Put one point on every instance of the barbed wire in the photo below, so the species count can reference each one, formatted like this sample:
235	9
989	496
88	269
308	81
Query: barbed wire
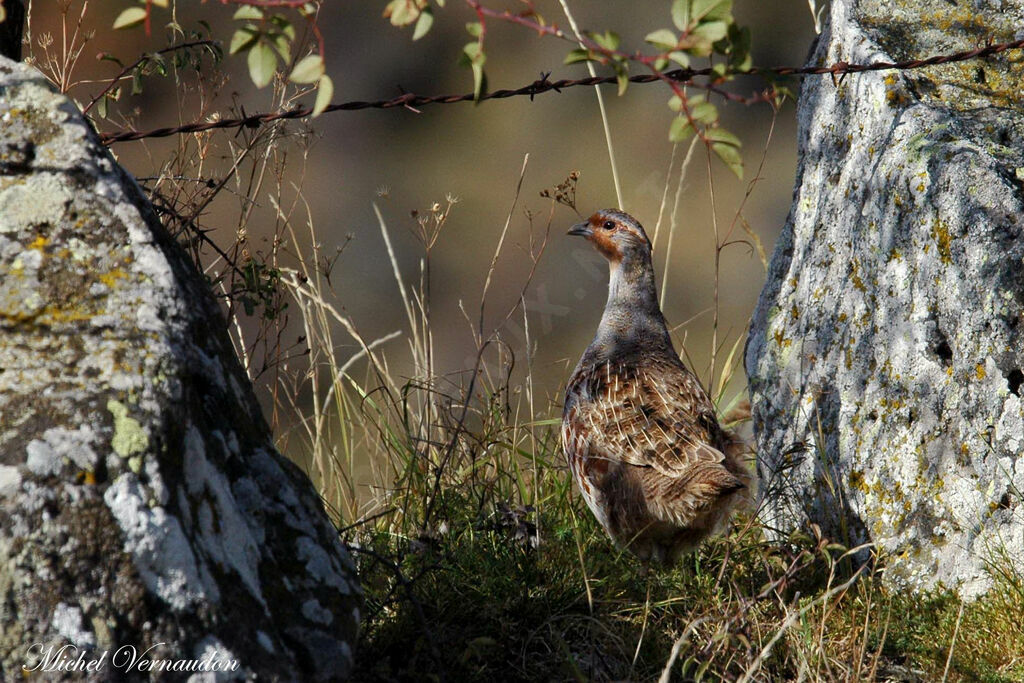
543	85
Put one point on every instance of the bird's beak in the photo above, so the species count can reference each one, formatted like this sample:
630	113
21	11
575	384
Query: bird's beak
581	229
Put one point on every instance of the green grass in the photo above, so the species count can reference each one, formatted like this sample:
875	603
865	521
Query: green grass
482	602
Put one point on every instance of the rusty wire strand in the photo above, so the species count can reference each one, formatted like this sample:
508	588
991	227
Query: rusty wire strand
543	85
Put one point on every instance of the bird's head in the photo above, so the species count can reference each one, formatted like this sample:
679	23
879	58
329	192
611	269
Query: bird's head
616	234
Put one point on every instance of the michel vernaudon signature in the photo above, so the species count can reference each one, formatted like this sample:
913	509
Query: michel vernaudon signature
70	658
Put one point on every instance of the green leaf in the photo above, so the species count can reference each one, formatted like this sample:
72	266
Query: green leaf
479	81
248	12
133	16
680	130
739	36
723	136
663	39
609	40
741	64
730	156
622	77
474	28
719	69
281	21
699	47
473	56
473	53
402	12
280	42
243	39
160	3
681	14
262	64
661	63
680	58
712	10
675	104
423	24
711	31
739	49
309	69
102	107
324	93
159	64
578	55
704	112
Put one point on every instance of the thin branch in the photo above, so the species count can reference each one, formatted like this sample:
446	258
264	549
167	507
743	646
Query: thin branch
149	55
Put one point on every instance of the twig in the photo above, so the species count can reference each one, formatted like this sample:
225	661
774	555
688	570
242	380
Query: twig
131	67
365	520
406	585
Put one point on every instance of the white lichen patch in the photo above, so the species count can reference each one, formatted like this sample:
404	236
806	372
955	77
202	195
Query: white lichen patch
224	534
67	620
318	564
159	547
314	611
10	480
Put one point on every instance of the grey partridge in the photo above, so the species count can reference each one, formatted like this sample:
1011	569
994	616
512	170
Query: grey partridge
639	432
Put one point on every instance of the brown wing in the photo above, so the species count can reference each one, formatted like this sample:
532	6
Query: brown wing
653	414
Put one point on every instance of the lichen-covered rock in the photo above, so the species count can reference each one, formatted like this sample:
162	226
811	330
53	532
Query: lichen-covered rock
889	336
142	503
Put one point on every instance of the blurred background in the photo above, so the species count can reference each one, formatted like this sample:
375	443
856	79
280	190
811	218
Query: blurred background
404	160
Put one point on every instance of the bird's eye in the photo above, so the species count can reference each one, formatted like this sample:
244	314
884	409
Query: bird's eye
609	225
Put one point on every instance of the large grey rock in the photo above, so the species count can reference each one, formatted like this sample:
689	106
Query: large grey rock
889	335
142	503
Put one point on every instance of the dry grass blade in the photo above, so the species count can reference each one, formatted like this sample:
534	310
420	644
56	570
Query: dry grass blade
406	300
791	619
952	642
673	218
666	672
600	105
501	241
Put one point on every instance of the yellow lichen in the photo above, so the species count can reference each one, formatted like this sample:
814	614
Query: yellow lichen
940	232
111	277
129	436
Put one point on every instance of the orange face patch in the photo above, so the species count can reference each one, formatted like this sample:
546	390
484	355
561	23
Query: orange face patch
602	238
